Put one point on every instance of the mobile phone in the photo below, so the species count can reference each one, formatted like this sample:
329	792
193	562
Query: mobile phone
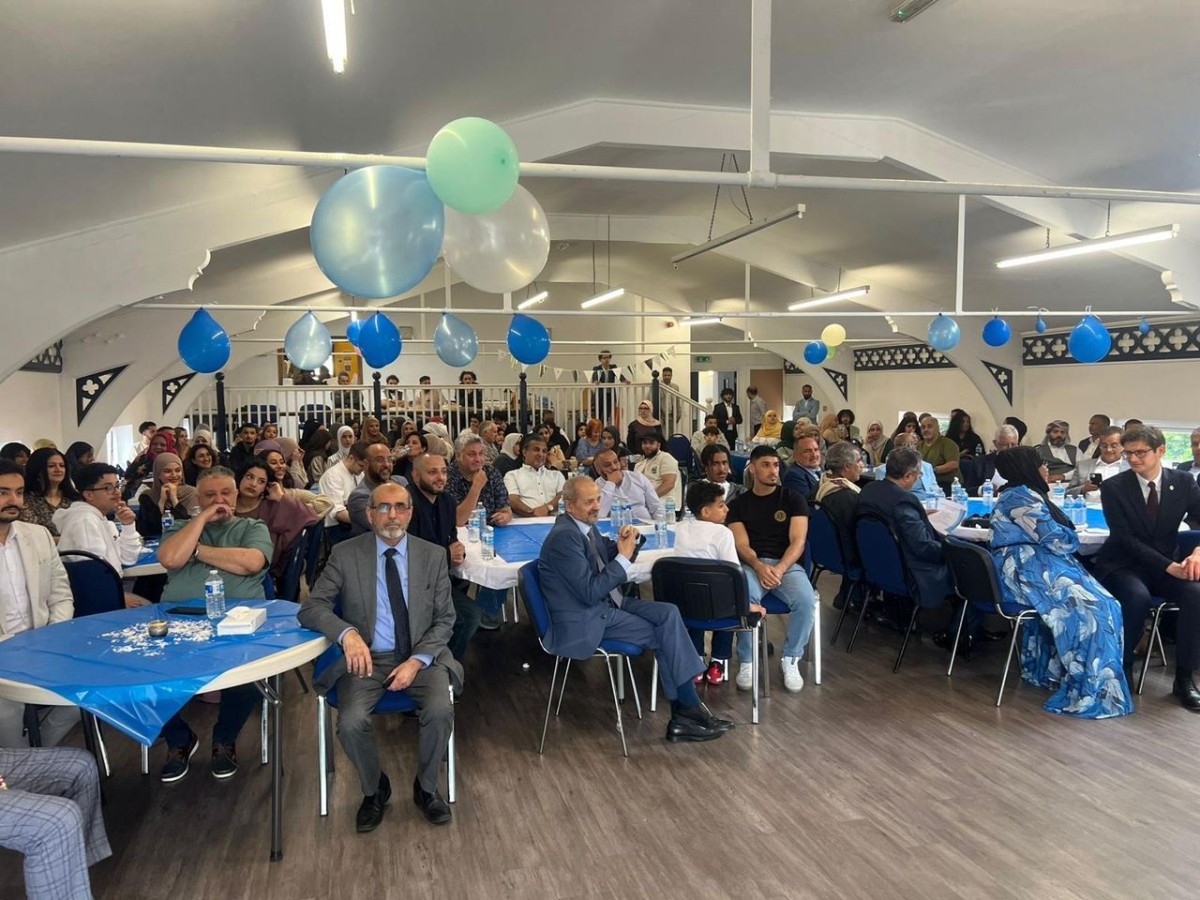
188	611
387	682
640	541
1097	478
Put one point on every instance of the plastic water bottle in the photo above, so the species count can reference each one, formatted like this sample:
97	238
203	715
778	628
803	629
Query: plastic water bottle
473	526
660	530
988	492
488	547
562	504
687	514
1081	511
1058	493
168	520
214	595
670	504
956	490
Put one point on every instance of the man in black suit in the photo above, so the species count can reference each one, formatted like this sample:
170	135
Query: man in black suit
395	619
985	467
1144	507
1192	466
804	474
729	416
581	574
604	399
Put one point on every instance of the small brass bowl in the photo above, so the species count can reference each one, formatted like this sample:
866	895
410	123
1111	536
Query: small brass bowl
158	628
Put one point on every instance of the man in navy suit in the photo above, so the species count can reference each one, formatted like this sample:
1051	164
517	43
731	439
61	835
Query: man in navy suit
804	474
1192	466
1144	507
581	574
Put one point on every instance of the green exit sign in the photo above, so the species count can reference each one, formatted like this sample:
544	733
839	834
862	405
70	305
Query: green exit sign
703	359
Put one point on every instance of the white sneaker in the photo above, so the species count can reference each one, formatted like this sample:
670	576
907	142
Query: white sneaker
745	677
792	679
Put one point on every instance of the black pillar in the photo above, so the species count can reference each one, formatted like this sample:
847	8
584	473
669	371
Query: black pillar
222	417
522	405
654	395
378	397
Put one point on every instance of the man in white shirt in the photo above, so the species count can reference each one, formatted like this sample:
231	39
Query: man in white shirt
34	592
661	468
146	431
628	485
85	526
534	489
1091	473
338	483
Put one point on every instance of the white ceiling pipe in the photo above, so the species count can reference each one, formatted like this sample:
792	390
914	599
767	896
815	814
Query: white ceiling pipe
760	88
135	150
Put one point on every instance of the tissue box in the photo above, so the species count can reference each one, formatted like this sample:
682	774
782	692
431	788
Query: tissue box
242	620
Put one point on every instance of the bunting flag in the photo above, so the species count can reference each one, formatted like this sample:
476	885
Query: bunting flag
649	363
575	375
557	373
542	371
500	354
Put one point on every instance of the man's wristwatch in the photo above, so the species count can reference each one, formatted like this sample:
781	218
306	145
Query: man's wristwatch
196	554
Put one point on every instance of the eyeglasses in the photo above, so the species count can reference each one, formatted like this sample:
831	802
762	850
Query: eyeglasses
386	509
1140	454
107	487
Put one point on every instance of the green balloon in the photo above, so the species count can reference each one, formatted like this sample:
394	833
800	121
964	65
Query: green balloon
472	165
832	353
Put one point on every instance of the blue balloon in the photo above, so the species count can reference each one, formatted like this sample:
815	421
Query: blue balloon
1089	341
943	333
378	231
1144	326
815	352
379	341
1040	325
997	332
455	341
353	330
203	343
307	343
528	339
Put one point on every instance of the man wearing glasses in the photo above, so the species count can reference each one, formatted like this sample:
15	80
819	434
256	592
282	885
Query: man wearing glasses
85	526
393	625
1144	508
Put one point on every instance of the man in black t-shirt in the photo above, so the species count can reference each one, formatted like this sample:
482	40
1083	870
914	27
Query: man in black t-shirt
770	526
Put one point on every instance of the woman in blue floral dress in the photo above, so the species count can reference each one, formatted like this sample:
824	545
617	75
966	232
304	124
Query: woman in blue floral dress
1078	643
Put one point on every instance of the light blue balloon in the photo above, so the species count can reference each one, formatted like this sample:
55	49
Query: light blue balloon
1089	341
815	352
1144	326
307	343
1040	325
528	339
353	330
203	343
455	341
379	341
378	231
943	333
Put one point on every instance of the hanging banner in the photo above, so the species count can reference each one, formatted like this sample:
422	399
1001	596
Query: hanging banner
649	363
557	373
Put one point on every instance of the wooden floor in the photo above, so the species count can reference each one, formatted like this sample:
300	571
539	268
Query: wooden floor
871	785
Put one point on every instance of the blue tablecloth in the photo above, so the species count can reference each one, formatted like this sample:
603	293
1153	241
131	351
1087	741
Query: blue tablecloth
107	665
1095	515
522	543
149	556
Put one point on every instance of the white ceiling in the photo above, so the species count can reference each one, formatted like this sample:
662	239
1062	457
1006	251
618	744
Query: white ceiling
1074	91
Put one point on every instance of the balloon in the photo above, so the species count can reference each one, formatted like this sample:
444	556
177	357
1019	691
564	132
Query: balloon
307	343
472	165
499	251
833	335
353	330
815	352
1089	341
1040	325
203	343
943	333
831	354
528	339
379	341
997	332
455	341
378	231
1144	326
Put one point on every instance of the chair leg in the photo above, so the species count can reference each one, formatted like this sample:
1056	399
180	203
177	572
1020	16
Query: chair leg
1162	651
912	623
303	683
755	661
1012	646
1154	635
322	758
512	592
962	617
763	668
562	691
654	686
814	642
33	728
550	702
145	755
621	683
262	730
100	747
842	615
862	615
451	784
612	681
637	700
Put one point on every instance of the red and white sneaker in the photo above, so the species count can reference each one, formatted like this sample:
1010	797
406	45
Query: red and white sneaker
716	671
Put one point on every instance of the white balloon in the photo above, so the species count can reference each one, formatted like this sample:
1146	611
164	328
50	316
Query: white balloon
502	250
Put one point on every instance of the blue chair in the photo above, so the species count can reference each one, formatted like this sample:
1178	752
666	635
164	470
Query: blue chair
775	606
976	584
825	550
314	544
1187	542
539	614
95	584
884	569
710	595
318	411
680	447
390	702
258	413
289	585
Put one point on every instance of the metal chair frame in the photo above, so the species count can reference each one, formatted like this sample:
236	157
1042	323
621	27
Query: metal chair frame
844	570
909	585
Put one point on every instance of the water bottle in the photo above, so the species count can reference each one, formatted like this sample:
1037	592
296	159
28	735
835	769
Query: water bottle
956	490
670	511
168	520
473	526
687	514
988	492
214	595
562	504
1058	493
1081	510
660	530
488	547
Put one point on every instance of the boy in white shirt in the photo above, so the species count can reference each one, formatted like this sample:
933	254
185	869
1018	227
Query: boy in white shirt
706	537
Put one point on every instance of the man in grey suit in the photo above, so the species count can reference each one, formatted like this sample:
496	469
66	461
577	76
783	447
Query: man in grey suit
394	623
1057	453
581	574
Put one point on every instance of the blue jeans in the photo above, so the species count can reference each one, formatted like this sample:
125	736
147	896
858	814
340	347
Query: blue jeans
797	593
491	601
237	703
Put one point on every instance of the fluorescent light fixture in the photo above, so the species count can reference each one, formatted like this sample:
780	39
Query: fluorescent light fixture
334	14
1095	245
792	212
701	320
602	298
910	9
533	301
848	294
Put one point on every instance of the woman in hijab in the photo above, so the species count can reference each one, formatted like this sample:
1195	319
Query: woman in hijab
294	457
16	451
510	454
771	430
829	429
167	491
345	440
960	431
203	436
142	466
1078	644
876	443
644	424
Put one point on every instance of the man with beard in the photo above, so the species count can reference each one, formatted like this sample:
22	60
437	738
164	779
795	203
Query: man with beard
377	471
1058	455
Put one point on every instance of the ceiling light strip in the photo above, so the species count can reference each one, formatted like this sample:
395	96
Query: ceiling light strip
848	294
1095	245
792	212
602	298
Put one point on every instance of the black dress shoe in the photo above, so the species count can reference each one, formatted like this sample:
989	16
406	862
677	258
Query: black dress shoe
992	636
706	717
436	810
370	813
685	728
945	640
1187	692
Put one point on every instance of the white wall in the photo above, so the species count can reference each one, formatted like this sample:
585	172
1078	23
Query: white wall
32	408
882	395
